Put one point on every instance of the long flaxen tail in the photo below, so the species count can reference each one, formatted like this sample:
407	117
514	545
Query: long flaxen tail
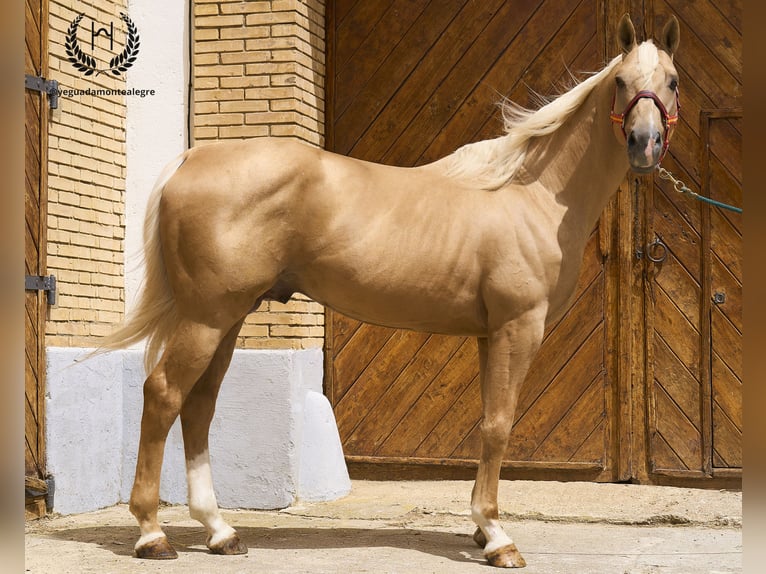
154	318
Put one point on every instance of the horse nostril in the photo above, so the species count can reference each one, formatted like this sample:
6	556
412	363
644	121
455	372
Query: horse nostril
632	140
658	138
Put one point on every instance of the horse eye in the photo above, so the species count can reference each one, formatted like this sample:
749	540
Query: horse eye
673	85
620	82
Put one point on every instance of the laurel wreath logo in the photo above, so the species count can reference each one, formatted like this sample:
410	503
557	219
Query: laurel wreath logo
87	64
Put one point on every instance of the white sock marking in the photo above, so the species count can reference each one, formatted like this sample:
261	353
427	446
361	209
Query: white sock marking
493	532
203	505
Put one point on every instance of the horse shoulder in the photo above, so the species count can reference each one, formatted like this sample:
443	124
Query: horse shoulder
523	256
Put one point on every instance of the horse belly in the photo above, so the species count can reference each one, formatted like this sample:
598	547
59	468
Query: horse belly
392	300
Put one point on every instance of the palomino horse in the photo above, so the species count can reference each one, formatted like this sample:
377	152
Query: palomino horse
486	242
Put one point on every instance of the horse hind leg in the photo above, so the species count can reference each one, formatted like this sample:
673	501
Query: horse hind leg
186	357
196	416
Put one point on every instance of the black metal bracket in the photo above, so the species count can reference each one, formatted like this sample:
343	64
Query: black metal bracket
42	283
50	87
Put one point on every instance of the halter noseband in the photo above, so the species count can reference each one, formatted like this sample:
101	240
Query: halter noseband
668	121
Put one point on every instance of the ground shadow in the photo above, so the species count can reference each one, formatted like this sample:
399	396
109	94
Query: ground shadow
186	539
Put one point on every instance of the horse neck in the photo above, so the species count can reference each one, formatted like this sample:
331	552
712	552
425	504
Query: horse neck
582	163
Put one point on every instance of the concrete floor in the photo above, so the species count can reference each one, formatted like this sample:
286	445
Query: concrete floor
398	527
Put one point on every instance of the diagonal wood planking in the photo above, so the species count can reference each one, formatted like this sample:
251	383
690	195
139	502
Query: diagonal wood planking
696	346
409	87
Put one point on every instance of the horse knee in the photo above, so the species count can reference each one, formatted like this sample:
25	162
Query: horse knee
495	432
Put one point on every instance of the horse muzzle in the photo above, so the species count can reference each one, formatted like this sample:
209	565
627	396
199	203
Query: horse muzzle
645	150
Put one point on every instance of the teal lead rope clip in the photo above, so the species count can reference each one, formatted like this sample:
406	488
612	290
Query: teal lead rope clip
681	187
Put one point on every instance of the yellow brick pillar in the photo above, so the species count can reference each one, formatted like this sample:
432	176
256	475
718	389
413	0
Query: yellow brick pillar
86	182
259	70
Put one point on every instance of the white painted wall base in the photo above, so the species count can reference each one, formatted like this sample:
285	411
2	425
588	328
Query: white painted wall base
273	439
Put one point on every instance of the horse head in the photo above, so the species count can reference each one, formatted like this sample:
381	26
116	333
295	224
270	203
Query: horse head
645	104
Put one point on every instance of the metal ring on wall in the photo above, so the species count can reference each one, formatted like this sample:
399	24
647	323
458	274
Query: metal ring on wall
657	251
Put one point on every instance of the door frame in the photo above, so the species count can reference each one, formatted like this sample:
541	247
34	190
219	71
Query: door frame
41	263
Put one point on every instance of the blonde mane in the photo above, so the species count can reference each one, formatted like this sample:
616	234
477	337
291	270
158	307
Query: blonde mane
493	163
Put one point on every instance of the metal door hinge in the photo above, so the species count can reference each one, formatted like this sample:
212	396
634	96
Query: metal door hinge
42	283
50	87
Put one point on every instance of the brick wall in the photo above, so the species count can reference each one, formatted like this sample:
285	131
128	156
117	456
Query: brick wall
86	182
259	70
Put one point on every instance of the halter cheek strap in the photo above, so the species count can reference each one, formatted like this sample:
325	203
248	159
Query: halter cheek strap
668	121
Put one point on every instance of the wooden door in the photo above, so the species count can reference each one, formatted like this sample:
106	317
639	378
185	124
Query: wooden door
409	82
642	379
693	298
36	107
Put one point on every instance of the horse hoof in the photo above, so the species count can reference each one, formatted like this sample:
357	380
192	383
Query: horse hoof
506	557
479	538
229	547
157	549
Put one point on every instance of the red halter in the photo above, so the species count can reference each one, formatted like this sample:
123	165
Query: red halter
668	121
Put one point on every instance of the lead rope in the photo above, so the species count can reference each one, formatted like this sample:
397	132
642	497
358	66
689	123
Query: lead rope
681	187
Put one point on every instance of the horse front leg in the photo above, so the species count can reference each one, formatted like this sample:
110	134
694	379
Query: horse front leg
185	359
196	415
504	359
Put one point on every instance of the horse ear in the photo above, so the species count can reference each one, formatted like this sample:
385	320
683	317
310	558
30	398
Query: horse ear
626	34
671	35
